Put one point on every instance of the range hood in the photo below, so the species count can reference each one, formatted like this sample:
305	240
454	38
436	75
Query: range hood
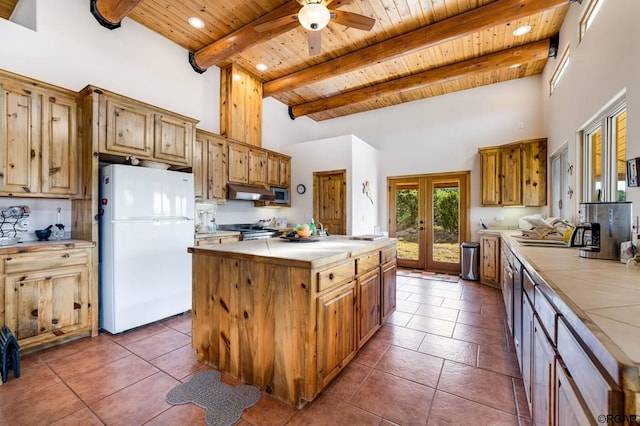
237	191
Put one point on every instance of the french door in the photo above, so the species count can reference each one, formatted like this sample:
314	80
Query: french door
429	215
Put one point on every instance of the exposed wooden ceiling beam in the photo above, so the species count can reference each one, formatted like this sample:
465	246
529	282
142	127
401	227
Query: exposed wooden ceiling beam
247	36
109	13
475	20
500	60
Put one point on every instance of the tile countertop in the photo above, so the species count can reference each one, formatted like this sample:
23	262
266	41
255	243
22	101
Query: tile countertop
600	299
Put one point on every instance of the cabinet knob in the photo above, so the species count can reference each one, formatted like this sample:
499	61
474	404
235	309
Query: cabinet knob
331	276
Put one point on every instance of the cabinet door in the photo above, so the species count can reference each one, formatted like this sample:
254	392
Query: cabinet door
490	266
60	156
571	410
285	172
173	139
534	173
368	305
273	170
490	177
257	167
129	129
527	346
506	283
238	163
336	336
388	302
20	127
44	305
542	377
217	169
199	166
511	176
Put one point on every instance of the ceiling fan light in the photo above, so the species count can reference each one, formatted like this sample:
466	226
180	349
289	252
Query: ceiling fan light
314	16
196	22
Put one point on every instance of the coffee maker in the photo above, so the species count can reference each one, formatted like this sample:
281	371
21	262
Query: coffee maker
602	227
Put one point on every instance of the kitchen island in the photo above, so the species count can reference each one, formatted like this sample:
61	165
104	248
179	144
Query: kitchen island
288	316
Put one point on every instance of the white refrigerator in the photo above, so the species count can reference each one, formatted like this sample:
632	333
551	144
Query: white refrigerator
145	230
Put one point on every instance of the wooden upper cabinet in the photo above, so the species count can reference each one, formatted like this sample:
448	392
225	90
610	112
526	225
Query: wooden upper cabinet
129	129
173	139
133	128
210	166
39	150
257	167
278	170
514	174
238	163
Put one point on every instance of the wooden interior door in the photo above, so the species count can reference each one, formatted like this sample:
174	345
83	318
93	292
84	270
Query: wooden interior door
330	200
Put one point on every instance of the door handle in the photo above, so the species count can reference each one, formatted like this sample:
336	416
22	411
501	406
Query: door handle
421	228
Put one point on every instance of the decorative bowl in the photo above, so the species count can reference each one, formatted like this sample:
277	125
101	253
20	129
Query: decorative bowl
303	233
43	234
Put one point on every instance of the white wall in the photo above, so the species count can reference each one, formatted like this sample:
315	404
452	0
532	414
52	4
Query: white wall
603	65
365	162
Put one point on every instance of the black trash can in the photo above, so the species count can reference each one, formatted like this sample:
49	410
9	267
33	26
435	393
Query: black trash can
470	261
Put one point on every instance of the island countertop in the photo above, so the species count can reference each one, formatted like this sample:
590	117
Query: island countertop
311	253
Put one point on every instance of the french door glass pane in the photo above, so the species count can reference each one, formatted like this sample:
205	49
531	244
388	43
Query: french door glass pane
446	220
556	186
407	226
595	149
620	137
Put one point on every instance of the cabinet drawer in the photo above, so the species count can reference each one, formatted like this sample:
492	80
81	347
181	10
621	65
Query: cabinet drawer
388	254
528	285
547	314
336	275
367	262
26	262
599	395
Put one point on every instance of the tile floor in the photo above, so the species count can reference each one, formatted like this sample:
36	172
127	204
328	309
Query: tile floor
444	357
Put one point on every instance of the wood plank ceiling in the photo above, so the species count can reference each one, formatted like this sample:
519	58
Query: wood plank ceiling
417	48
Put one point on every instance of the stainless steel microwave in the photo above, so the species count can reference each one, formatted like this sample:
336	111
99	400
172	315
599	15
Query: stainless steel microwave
281	195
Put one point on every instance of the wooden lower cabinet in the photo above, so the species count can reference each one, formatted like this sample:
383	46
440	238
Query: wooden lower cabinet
203	241
527	346
506	284
368	314
542	376
490	259
48	296
388	302
571	410
336	331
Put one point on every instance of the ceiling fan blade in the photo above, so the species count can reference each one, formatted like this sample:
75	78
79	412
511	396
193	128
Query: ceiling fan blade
315	42
339	3
353	20
276	23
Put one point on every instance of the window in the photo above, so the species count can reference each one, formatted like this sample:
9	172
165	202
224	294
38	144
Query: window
560	183
604	147
589	16
559	72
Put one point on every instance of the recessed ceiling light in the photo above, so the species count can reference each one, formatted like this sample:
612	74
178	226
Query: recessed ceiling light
196	22
522	30
261	67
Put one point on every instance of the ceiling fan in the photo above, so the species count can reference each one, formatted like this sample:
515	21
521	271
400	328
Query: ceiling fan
315	15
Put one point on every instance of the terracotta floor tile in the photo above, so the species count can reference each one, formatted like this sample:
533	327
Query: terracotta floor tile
326	410
479	335
470	288
269	411
137	403
399	336
498	359
44	405
34	375
419	287
403	295
406	306
411	365
127	337
462	305
452	410
158	344
88	359
494	322
396	399
482	386
180	322
400	318
521	399
487	299
82	417
183	414
426	299
438	312
452	349
372	352
71	347
348	381
110	378
447	293
432	325
179	363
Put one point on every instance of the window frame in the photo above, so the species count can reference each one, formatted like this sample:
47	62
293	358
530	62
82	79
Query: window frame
588	16
560	70
560	183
